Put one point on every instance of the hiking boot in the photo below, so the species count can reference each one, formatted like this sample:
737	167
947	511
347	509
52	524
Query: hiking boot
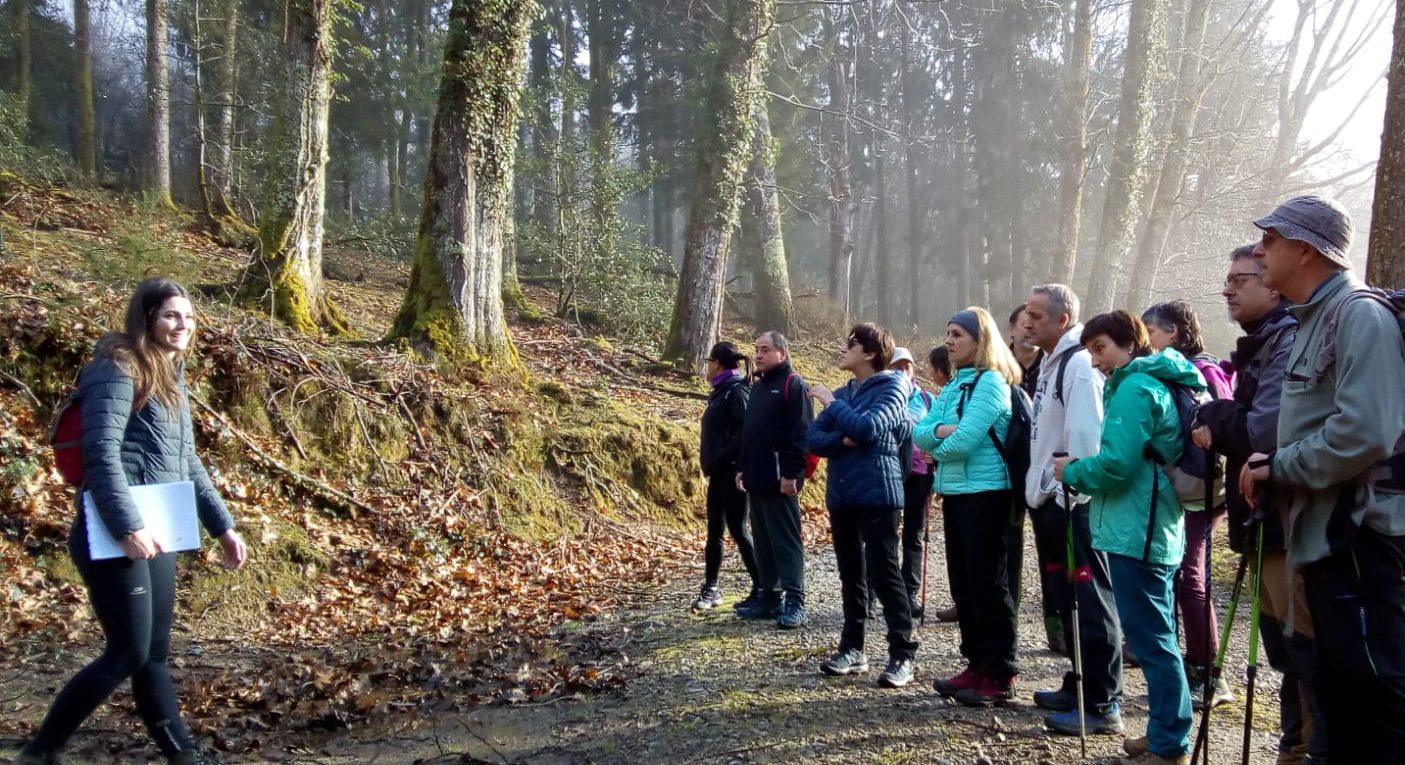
987	691
1066	723
846	662
708	599
953	685
1220	694
792	615
1055	701
1054	635
948	615
32	756
897	674
757	595
766	607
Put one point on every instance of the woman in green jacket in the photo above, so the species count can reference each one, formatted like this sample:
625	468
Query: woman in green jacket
1135	517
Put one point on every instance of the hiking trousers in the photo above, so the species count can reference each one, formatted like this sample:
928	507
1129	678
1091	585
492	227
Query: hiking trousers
1098	623
1050	524
976	526
780	550
866	552
726	512
917	494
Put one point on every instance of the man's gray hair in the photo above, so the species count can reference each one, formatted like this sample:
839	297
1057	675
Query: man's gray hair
1243	252
778	340
1062	299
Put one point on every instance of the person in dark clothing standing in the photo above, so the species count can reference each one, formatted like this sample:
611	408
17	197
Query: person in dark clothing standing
1236	428
721	443
771	470
917	487
863	431
1029	357
136	430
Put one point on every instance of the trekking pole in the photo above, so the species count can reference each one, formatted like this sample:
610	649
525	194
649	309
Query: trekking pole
1253	669
1207	694
1073	611
1202	738
926	550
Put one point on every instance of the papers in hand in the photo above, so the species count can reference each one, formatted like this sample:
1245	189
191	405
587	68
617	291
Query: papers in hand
167	510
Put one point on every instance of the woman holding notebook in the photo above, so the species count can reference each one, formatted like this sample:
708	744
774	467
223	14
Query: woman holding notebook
136	431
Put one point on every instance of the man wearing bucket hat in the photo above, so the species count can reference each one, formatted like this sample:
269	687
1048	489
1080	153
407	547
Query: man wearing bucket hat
1341	418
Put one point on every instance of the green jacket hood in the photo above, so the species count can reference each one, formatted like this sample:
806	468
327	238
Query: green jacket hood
1168	366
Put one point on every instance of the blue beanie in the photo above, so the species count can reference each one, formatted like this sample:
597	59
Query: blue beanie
968	321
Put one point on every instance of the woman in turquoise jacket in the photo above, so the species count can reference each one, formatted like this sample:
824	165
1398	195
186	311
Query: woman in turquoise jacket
1135	516
970	414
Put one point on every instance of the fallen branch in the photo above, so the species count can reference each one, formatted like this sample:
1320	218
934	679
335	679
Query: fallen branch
344	500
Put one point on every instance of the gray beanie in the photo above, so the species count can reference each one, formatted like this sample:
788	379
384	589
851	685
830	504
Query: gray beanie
1321	222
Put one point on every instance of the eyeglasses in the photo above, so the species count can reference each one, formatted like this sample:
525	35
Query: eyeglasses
1238	281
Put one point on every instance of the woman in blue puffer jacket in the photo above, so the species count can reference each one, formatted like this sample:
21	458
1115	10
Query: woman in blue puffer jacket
864	431
136	430
970	414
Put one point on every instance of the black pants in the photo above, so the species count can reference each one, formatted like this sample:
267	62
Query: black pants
917	491
1100	631
1014	551
780	551
1050	537
976	527
134	602
726	511
1357	599
866	551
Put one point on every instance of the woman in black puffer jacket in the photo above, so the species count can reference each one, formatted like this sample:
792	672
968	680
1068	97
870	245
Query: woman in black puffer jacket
721	442
136	431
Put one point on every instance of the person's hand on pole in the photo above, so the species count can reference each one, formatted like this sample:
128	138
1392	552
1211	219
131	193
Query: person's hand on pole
1255	471
1060	462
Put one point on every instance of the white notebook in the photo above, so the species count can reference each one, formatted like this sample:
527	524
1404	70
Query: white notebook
167	509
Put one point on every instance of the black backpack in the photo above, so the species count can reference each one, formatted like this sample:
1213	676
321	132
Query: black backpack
1014	450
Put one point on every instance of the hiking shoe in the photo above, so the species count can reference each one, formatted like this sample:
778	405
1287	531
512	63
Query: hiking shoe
792	615
1139	753
1136	747
1055	701
1067	722
948	615
987	691
847	662
1219	696
31	756
897	674
757	595
764	608
708	599
952	685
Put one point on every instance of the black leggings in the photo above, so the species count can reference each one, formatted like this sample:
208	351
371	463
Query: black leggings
726	511
134	601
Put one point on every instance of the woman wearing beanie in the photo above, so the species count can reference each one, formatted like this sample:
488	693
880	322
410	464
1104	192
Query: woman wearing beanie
961	431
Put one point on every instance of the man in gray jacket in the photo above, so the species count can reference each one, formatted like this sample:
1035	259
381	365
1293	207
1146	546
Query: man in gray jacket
1341	420
1068	417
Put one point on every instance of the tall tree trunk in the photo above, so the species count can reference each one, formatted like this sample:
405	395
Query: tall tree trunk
726	146
1146	44
604	50
1384	265
285	275
543	127
158	105
961	255
914	208
85	147
881	257
21	10
841	195
222	167
453	309
1075	153
1165	199
774	307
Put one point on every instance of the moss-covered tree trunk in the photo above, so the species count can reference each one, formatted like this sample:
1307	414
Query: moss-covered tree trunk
285	275
725	143
1384	265
774	307
158	105
453	309
1146	44
1075	154
85	153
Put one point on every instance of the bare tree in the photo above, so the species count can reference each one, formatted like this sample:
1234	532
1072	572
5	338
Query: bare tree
85	145
1075	154
158	104
1384	265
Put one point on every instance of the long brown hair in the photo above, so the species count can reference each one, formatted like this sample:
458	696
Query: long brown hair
152	372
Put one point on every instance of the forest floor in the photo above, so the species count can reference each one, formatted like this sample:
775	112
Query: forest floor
511	587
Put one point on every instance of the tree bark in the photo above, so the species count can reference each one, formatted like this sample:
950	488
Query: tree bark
1075	155
158	105
774	306
914	208
21	10
841	195
453	309
604	50
543	127
1146	44
85	146
1384	265
222	167
726	146
285	275
1165	199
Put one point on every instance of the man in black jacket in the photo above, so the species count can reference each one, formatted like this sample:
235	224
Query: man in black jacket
771	470
1239	427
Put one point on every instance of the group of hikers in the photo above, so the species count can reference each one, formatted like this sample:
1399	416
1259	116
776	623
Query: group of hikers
1127	446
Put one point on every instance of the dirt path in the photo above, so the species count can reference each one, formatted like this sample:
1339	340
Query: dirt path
711	688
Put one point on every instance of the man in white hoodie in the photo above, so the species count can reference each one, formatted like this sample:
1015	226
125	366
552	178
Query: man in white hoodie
1068	417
